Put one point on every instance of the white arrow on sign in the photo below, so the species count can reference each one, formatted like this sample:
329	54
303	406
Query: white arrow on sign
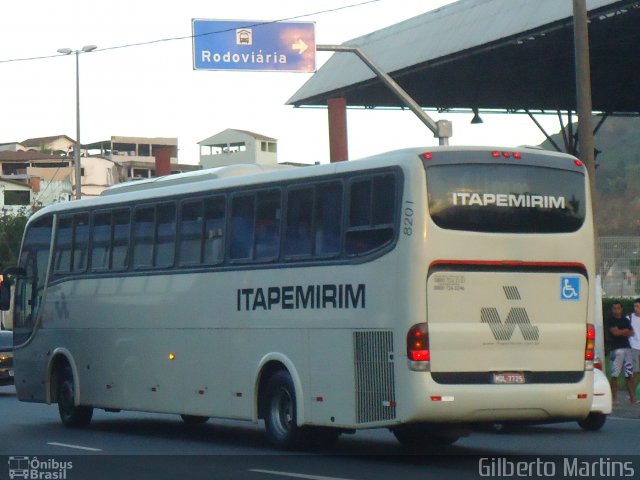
300	46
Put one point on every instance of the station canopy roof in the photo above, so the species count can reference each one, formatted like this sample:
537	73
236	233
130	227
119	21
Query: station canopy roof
508	55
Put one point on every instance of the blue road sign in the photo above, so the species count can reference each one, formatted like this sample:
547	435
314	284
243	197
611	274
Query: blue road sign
254	45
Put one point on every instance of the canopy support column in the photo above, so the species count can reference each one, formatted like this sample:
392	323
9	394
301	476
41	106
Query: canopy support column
338	143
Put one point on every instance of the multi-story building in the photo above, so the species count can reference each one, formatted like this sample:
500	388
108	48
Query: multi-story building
137	155
105	163
232	146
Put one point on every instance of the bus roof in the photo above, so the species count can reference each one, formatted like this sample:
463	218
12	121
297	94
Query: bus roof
242	175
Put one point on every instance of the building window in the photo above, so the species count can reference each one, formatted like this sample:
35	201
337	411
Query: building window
268	147
17	197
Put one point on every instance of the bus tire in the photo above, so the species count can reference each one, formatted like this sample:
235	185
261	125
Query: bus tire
194	419
72	416
280	414
593	422
417	436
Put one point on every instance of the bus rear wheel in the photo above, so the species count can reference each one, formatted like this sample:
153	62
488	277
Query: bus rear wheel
417	436
280	417
72	416
592	422
281	420
194	419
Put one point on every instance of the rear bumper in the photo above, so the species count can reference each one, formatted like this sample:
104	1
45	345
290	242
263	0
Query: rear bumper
430	401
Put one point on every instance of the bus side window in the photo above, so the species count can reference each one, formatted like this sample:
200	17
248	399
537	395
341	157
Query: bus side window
143	233
298	233
242	227
267	229
121	234
328	219
64	241
101	241
190	243
214	217
371	210
165	248
360	203
80	242
384	196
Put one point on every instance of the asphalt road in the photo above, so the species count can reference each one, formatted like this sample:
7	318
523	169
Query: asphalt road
132	445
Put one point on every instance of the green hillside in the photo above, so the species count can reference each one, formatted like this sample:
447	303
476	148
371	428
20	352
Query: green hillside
617	175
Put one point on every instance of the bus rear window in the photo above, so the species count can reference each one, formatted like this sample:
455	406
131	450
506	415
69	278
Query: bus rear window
506	198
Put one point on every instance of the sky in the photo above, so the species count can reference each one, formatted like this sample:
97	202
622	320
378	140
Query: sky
153	91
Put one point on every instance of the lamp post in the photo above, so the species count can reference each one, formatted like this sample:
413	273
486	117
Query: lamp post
76	153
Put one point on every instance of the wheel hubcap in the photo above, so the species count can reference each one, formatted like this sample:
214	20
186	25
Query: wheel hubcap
282	412
66	396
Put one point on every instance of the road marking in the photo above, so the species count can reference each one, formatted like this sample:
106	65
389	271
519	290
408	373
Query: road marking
296	475
77	447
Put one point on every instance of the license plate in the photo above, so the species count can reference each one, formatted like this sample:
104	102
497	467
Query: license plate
504	378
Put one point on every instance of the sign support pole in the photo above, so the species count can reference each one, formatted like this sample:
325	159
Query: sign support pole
441	129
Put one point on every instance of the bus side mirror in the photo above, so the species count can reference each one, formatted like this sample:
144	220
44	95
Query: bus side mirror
5	295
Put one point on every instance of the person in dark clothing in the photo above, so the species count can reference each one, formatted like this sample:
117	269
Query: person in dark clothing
620	353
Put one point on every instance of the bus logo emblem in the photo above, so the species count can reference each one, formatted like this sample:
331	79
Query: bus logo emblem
503	331
570	288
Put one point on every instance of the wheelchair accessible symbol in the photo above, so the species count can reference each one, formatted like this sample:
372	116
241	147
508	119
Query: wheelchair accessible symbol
570	288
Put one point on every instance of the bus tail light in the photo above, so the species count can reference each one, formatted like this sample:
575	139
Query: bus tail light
418	347
590	347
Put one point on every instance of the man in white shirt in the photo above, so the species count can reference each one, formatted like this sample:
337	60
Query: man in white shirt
634	340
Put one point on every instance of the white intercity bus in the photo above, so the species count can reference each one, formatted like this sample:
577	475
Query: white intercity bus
421	290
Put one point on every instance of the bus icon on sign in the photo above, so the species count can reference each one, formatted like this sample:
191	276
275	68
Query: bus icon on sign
570	288
244	36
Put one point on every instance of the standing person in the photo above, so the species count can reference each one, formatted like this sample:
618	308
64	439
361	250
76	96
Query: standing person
634	341
620	354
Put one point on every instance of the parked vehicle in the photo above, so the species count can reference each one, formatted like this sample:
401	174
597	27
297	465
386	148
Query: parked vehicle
6	357
601	405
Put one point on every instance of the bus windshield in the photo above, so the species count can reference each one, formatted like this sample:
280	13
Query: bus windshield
506	198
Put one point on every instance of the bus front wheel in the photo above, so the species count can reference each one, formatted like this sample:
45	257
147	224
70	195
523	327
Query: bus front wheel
72	416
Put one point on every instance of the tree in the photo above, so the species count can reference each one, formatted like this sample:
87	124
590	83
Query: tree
11	231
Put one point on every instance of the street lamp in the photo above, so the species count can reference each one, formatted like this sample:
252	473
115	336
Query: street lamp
76	153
